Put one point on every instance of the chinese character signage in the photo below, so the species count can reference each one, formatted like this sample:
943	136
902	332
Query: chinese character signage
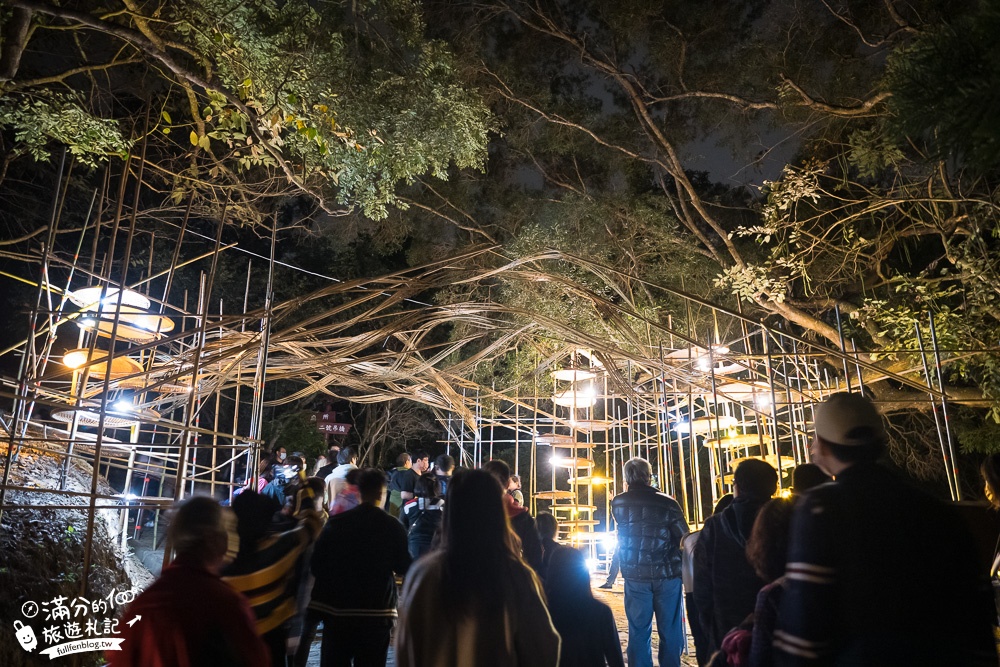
333	427
327	422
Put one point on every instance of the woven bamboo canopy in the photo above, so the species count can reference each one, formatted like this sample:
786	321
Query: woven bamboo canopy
691	398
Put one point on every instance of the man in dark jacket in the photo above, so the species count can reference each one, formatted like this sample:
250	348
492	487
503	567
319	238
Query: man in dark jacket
725	584
650	528
402	479
520	520
354	561
879	573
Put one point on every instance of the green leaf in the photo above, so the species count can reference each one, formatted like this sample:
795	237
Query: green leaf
204	143
165	116
194	138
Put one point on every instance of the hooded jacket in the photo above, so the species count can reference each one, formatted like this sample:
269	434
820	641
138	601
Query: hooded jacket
725	585
650	528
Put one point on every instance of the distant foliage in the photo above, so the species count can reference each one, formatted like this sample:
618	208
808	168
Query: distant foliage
43	117
946	88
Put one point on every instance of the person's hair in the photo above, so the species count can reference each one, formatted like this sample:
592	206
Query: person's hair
767	548
331	454
371	484
347	455
856	453
755	479
418	455
638	471
990	470
547	525
402	459
724	502
352	476
426	486
277	449
296	461
807	476
567	585
444	463
500	470
480	549
254	513
198	529
516	479
265	467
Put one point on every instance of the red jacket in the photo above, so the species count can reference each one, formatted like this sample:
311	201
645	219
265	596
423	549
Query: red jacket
189	618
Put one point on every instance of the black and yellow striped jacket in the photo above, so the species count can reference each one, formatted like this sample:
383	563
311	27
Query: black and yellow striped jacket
269	577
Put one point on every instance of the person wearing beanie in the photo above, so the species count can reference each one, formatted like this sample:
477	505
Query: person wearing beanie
878	573
725	584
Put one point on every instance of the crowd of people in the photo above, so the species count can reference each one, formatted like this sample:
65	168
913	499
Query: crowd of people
863	570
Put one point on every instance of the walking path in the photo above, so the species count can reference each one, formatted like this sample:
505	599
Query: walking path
615	598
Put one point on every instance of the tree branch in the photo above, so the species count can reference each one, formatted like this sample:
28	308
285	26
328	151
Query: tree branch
15	37
184	73
59	78
846	112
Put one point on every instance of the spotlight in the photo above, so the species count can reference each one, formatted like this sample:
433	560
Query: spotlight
123	406
591	564
75	359
610	541
87	322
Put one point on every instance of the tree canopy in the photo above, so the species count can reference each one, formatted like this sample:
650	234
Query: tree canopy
800	160
340	102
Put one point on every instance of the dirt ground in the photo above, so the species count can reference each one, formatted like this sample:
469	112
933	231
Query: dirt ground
615	598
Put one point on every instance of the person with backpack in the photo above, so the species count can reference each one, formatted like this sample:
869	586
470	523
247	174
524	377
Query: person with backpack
422	515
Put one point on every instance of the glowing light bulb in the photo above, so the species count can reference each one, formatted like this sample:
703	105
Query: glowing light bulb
123	406
75	359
